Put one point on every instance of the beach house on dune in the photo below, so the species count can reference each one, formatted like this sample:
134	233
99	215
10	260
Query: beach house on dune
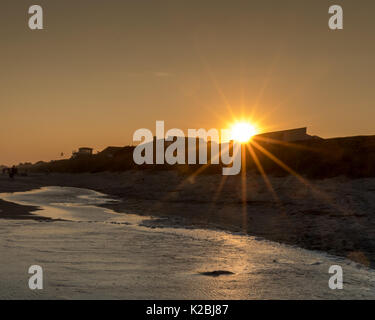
291	135
110	151
84	151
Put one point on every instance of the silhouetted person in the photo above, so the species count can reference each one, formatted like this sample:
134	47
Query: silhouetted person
12	172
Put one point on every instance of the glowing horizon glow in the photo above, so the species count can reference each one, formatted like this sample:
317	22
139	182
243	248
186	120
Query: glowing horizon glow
243	131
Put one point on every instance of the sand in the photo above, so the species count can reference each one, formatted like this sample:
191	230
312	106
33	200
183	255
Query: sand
85	260
332	215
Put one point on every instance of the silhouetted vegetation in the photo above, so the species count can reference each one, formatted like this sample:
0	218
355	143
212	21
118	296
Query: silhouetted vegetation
352	156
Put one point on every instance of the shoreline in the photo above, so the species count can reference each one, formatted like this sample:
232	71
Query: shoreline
174	201
13	211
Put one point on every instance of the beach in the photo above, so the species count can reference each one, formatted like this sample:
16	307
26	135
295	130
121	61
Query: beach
88	251
335	215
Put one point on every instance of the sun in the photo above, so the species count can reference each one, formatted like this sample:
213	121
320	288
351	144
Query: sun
243	131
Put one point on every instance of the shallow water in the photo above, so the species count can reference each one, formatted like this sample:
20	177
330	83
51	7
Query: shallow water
97	253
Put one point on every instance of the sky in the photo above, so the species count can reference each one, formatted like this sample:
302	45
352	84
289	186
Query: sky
99	70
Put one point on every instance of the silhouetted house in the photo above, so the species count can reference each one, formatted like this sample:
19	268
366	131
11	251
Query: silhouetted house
82	152
291	135
111	152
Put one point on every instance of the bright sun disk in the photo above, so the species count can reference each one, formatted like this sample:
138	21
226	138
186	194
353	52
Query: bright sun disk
243	131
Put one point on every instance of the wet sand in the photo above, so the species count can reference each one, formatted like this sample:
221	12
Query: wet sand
333	215
13	211
98	253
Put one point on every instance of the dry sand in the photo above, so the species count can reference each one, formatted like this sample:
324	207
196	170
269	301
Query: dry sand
333	215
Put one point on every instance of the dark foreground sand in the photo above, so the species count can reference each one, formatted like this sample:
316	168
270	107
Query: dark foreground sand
333	215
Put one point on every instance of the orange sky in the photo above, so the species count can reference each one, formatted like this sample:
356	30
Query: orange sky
99	71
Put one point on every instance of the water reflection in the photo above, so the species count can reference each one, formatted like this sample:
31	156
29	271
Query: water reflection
130	261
